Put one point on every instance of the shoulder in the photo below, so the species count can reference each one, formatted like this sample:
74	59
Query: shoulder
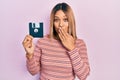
80	41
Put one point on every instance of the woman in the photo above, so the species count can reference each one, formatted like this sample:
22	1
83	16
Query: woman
60	55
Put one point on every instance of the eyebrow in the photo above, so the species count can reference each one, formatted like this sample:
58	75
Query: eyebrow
63	16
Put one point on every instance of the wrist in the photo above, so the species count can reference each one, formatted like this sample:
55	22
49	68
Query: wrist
72	48
29	55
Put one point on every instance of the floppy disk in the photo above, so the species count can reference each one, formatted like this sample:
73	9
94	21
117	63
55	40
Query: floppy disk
36	29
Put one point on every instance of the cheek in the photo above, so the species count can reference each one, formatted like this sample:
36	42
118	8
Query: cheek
65	28
56	26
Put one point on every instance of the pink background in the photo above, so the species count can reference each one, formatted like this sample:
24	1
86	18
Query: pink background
98	23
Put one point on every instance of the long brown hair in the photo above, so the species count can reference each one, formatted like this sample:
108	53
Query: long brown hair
71	19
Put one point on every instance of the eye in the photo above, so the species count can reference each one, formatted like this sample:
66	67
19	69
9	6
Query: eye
56	20
65	20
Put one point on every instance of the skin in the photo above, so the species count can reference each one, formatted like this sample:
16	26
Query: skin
61	27
28	46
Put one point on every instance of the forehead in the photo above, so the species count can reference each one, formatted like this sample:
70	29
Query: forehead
60	13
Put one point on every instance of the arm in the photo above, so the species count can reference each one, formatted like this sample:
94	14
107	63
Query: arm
79	61
78	54
33	64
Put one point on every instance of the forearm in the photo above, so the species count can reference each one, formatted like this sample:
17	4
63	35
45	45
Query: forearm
33	65
81	69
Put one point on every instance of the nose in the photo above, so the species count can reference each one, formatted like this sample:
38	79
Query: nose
61	24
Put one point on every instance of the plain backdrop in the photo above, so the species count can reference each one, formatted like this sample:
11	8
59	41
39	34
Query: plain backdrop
98	24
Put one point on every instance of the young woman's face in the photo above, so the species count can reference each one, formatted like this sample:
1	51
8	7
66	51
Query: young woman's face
60	21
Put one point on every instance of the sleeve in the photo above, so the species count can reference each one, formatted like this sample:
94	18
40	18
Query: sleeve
79	61
33	64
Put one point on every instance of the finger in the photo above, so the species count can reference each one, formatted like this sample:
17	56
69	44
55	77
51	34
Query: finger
65	33
61	37
32	45
62	33
30	36
27	38
27	43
